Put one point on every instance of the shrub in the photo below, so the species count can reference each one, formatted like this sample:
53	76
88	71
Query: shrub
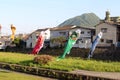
43	59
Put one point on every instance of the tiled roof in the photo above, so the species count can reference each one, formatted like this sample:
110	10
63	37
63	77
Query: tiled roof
36	31
61	28
69	27
110	23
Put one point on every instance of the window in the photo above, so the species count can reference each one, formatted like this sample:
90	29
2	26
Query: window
37	36
89	32
45	33
62	33
93	32
0	43
77	42
109	41
104	30
82	32
30	45
82	41
102	40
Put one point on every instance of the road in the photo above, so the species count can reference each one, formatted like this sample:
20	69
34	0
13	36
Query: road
110	75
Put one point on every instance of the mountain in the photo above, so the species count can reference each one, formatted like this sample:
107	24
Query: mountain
84	20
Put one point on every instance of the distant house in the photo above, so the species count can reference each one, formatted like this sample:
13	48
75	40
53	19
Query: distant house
4	42
111	30
58	32
85	38
32	38
63	32
21	36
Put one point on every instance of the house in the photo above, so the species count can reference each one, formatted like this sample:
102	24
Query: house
111	30
62	33
32	38
4	42
85	38
56	33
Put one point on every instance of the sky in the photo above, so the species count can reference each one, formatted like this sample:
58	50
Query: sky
29	15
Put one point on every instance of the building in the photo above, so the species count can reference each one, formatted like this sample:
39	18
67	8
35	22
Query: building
4	42
62	33
110	27
32	38
85	38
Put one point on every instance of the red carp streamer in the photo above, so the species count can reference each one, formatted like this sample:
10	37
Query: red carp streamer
39	44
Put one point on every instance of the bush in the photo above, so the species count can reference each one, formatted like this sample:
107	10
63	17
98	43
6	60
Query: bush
43	59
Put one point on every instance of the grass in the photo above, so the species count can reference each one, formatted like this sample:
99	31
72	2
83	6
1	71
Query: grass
14	57
8	75
68	64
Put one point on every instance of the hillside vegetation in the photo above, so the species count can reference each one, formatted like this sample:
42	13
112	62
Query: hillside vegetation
84	20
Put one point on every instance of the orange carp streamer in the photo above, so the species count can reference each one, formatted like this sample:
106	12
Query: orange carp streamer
13	29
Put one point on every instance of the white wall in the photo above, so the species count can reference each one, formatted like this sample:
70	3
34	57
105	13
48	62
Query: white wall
28	42
47	35
33	39
83	42
86	37
55	34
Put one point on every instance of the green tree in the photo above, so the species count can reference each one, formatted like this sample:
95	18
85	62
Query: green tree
19	42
